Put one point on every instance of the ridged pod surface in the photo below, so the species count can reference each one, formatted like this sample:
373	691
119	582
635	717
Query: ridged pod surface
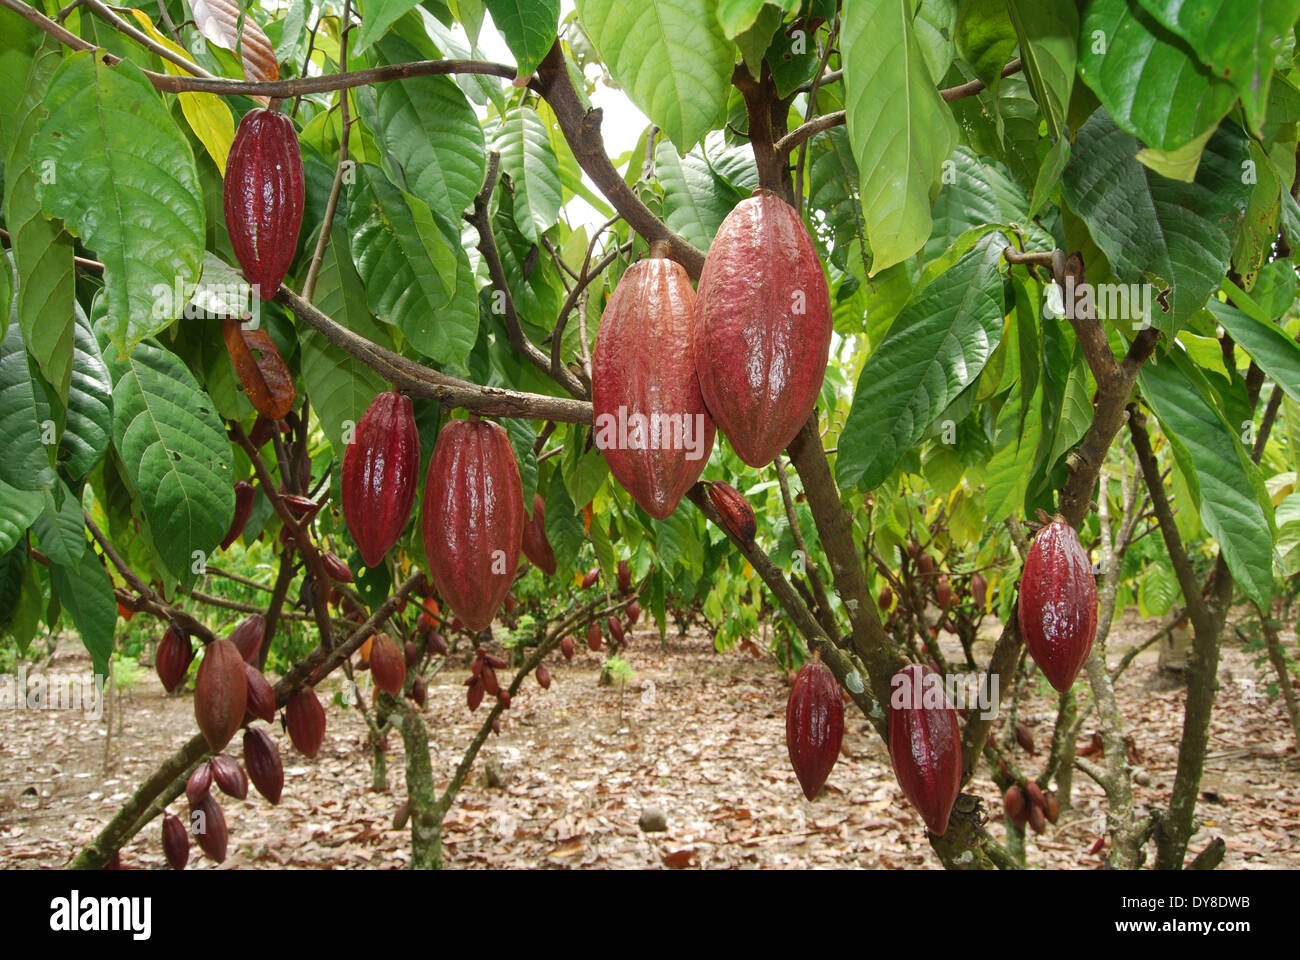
263	197
388	664
305	718
1058	603
381	471
735	510
925	744
814	726
220	693
536	545
763	327
173	657
262	758
210	829
643	373
473	518
175	841
261	696
243	510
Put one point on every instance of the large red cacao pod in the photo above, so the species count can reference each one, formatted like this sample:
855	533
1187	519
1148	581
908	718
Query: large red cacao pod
305	718
763	327
536	545
736	513
1058	603
262	758
381	471
220	693
473	518
261	696
925	744
263	197
388	664
229	776
814	726
210	829
173	658
248	635
175	841
243	510
643	371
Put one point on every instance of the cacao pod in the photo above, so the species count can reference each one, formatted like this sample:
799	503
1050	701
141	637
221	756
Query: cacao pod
229	776
388	664
763	327
489	680
1037	819
474	696
220	693
262	758
633	613
175	841
737	515
438	643
1053	808
913	548
566	648
650	419
473	518
924	745
381	469
364	650
261	696
624	578
536	545
1024	738
305	718
208	824
418	693
503	698
509	603
199	783
1034	793
339	571
247	637
925	563
411	653
263	197
1058	603
590	579
593	636
543	676
1013	802
302	508
616	631
243	510
173	658
263	430
886	598
943	592
814	726
979	590
125	612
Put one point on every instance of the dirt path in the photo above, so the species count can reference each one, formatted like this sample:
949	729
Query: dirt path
699	735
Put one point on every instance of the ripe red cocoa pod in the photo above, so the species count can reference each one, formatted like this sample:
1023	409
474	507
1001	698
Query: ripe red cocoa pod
650	420
1053	808
474	696
263	197
1058	603
418	692
1097	845
243	510
388	664
763	327
566	648
473	518
173	658
339	571
262	758
593	636
624	577
633	613
1034	793
1024	738
737	515
305	718
590	579
886	598
175	841
229	776
1013	802
925	744
438	643
543	676
1037	819
489	680
247	637
814	726
302	508
411	653
536	545
943	592
261	696
616	631
979	590
381	471
925	563
199	783
208	824
503	697
220	693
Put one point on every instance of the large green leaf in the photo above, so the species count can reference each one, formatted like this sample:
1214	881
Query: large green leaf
1239	41
60	530
379	15
1145	77
1207	448
672	58
527	157
979	193
1007	476
175	453
901	130
1276	353
24	414
89	425
18	508
1176	235
1049	44
528	27
985	37
696	200
935	349
124	181
86	593
737	16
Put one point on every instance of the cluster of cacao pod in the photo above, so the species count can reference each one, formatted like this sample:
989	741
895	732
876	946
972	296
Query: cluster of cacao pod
746	355
483	680
1057	607
1030	805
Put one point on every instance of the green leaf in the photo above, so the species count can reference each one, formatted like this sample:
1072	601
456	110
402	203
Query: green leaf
1157	590
24	413
1007	476
528	27
755	40
986	39
522	437
1049	43
1276	353
60	530
175	453
737	16
1239	41
1207	448
89	425
1144	77
18	509
977	194
672	58
935	349
86	593
1178	236
125	183
899	151
527	157
696	200
564	529
378	17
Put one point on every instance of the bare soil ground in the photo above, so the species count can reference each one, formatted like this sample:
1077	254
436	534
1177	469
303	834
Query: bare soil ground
698	734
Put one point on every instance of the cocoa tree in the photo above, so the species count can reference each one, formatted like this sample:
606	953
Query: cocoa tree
840	242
